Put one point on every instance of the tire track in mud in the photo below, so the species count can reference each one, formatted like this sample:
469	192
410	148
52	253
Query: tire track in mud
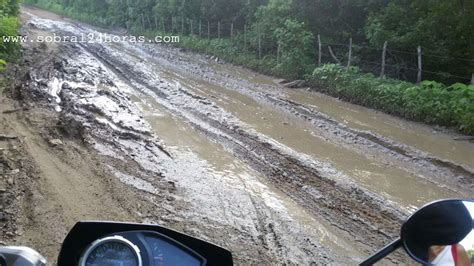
265	235
263	242
435	170
444	173
361	214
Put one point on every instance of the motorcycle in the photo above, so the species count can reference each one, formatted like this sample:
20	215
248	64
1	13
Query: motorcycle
89	243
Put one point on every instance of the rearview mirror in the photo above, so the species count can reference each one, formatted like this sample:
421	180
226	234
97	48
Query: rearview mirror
440	232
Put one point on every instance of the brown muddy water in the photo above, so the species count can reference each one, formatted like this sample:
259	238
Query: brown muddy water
396	184
181	138
436	142
414	134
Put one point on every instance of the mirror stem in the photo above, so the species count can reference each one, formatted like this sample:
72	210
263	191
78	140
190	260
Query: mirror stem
382	253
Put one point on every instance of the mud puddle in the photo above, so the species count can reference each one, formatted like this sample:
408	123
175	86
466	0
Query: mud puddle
300	136
182	141
414	134
380	178
425	138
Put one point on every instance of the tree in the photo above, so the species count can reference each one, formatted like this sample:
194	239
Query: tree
117	13
268	18
295	48
437	25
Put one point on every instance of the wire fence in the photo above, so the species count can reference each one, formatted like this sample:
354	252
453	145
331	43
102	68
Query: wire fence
413	65
408	65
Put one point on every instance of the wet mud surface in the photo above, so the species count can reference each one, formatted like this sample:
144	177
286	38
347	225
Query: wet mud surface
220	153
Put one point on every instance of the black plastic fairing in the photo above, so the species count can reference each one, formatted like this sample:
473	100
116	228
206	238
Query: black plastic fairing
85	232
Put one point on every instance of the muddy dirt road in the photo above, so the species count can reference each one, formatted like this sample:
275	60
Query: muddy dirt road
149	133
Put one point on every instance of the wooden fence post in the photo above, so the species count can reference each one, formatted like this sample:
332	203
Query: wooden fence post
259	43
199	28
420	68
219	29
182	26
156	23
208	30
143	21
350	54
245	36
192	28
163	25
384	53
232	30
149	21
472	79
319	50
333	56
278	53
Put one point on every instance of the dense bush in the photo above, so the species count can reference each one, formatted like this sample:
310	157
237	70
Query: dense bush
429	101
8	26
443	28
295	49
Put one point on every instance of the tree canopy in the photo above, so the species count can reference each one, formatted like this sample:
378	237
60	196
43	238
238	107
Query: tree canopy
444	28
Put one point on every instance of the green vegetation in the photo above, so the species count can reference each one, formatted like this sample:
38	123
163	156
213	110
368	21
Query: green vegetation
293	60
224	49
8	25
442	28
294	53
429	101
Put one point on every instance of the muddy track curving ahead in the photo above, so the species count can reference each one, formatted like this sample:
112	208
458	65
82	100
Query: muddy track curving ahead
206	148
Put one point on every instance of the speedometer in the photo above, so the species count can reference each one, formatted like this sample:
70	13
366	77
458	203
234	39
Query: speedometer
111	251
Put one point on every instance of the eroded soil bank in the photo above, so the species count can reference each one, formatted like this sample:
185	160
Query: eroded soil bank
149	133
